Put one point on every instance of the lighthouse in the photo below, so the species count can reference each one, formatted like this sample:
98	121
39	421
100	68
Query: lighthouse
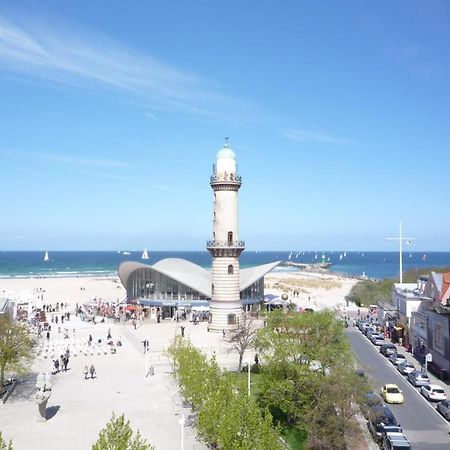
225	307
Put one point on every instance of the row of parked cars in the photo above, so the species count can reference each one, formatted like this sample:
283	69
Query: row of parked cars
381	422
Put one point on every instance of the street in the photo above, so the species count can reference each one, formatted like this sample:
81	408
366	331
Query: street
422	425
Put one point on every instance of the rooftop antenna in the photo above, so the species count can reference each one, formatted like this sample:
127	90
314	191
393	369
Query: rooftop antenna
400	238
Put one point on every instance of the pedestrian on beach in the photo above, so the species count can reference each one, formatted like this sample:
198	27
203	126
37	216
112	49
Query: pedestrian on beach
223	332
92	371
90	339
109	334
56	364
85	371
48	335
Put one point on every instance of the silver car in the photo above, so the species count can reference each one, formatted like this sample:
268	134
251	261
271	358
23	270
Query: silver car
397	358
444	408
405	368
418	378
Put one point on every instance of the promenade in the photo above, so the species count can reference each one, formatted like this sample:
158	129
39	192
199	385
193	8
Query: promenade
78	409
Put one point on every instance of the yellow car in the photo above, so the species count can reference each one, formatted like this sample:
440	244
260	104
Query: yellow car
391	393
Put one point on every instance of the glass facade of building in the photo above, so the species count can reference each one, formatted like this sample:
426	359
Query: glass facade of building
149	284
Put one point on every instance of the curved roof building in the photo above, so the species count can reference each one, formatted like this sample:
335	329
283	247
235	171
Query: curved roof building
178	282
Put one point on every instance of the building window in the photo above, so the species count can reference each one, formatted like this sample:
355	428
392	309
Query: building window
231	319
230	269
230	237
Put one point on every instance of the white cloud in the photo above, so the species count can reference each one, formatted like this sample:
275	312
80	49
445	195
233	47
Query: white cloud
71	160
84	59
314	136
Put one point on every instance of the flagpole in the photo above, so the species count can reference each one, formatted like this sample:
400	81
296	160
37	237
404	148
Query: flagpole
401	258
400	238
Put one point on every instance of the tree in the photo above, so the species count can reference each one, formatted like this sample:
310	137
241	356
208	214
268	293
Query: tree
307	378
16	348
243	338
118	435
4	445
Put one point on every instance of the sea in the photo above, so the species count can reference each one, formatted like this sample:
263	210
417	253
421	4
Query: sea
378	265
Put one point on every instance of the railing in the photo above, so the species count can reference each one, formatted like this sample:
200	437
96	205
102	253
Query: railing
225	176
225	244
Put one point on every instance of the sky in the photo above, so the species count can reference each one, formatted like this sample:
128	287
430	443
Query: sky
112	112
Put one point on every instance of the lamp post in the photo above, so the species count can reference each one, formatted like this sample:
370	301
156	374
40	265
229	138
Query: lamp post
182	422
249	365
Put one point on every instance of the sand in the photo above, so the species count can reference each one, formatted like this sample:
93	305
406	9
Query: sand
306	289
313	290
71	290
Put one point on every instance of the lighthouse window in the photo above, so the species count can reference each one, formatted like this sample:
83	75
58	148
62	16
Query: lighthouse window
230	237
231	319
230	269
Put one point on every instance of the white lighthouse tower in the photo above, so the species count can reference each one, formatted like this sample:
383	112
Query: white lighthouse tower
225	307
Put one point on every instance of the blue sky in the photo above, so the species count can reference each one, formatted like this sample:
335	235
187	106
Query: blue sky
111	114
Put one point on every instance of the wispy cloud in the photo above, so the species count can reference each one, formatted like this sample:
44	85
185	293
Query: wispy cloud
314	136
85	59
61	159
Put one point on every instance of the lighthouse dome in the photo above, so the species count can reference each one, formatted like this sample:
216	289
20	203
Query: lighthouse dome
225	152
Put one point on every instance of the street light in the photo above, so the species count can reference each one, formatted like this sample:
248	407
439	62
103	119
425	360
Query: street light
249	365
182	422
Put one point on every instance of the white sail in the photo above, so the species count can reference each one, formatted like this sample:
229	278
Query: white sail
340	257
145	254
46	258
345	254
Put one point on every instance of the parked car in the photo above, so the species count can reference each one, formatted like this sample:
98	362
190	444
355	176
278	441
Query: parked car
395	441
444	408
397	358
388	349
405	368
433	392
418	378
361	324
381	421
371	331
392	394
378	340
371	399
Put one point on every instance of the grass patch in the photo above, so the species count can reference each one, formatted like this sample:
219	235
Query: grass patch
295	437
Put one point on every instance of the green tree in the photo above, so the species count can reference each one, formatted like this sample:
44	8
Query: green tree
16	348
369	292
307	378
4	445
227	417
118	435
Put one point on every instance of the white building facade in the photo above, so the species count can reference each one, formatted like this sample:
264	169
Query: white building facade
225	247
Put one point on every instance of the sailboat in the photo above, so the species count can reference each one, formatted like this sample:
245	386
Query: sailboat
46	258
145	254
290	255
345	254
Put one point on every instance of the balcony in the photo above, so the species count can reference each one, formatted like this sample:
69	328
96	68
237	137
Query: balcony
225	177
225	244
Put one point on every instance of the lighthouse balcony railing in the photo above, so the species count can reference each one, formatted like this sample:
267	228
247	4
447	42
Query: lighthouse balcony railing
220	177
225	244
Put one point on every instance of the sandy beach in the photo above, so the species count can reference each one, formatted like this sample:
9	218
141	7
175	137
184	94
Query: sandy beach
306	289
309	289
71	290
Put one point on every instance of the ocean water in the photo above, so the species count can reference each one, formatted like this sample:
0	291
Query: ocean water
91	263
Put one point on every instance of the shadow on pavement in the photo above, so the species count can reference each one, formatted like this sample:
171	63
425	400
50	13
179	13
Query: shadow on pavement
51	412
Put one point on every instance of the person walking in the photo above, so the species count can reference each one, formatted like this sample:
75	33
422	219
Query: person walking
85	371
90	339
92	371
66	362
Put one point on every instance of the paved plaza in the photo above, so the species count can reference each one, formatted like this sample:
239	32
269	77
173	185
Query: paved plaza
78	409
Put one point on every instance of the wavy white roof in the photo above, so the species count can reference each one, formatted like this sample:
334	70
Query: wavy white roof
193	275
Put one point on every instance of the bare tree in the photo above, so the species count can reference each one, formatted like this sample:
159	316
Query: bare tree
243	338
